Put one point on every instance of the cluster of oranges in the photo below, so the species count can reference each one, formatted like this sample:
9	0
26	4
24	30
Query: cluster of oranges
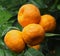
34	28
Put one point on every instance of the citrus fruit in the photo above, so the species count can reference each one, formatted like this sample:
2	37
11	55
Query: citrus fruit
33	34
48	22
28	14
37	47
13	40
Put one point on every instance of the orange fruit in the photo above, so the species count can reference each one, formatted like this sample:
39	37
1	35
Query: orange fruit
13	40
37	47
33	34
28	14
48	22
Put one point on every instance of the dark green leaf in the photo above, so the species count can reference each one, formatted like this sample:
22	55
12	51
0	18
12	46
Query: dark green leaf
12	5
33	52
53	7
18	25
57	48
39	3
58	7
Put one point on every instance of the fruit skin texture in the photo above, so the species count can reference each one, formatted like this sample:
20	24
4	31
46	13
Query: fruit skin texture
48	22
13	40
33	34
28	14
37	47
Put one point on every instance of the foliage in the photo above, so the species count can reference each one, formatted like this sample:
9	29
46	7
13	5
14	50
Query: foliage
8	21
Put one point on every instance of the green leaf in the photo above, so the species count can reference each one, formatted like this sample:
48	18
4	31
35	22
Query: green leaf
18	25
8	29
12	5
2	52
0	31
4	15
12	19
58	7
51	34
3	27
39	3
2	45
53	7
21	54
33	52
9	53
57	49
